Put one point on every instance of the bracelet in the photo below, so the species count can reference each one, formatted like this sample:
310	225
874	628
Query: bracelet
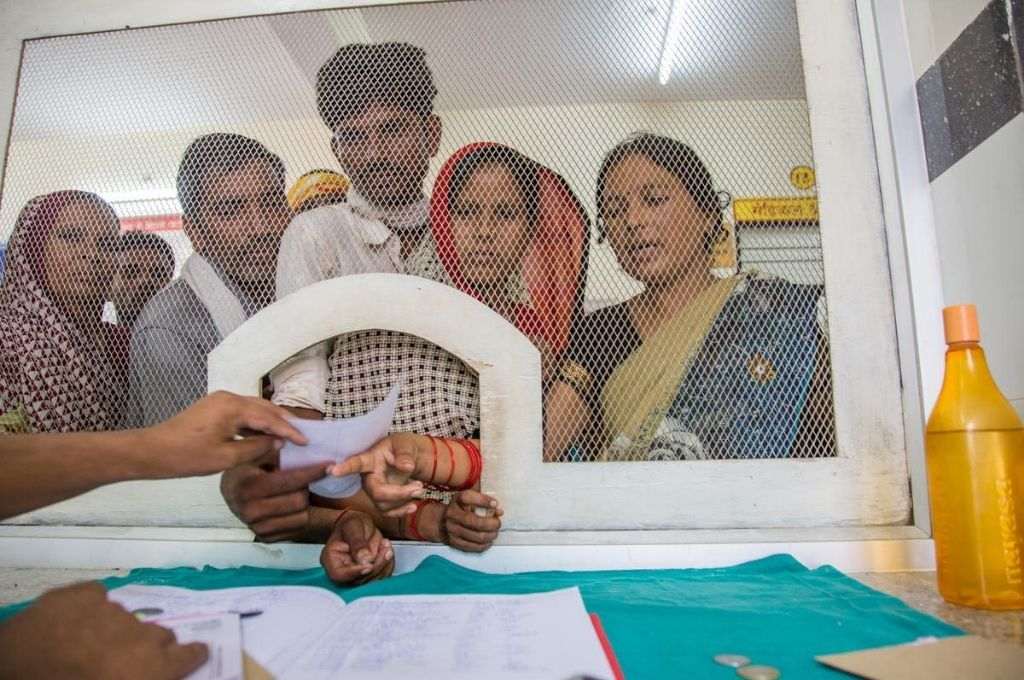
411	528
476	464
451	470
433	447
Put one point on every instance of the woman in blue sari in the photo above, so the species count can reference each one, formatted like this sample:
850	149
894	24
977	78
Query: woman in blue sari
695	366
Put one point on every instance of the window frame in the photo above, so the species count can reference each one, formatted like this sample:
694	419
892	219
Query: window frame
895	152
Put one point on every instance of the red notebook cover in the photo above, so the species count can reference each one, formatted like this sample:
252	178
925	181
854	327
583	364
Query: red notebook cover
607	647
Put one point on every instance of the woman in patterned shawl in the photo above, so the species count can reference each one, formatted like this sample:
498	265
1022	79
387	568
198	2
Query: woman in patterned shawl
61	368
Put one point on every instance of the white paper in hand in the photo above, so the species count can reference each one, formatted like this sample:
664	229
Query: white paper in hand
334	441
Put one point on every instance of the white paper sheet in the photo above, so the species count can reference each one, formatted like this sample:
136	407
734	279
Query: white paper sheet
290	615
499	637
333	441
222	634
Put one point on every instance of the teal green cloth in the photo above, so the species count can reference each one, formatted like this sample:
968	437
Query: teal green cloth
662	623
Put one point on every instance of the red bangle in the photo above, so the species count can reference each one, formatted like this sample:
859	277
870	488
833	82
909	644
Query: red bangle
476	464
433	470
411	528
451	470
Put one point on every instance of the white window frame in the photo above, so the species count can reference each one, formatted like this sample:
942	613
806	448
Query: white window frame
883	140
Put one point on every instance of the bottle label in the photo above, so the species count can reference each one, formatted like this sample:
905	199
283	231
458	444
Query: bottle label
1008	529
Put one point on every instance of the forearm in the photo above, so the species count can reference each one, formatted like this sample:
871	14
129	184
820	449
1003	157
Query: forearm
451	463
40	469
566	417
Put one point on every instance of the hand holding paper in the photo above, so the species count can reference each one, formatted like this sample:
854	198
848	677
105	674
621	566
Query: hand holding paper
335	441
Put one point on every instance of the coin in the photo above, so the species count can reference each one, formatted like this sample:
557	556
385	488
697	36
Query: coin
758	673
143	612
731	660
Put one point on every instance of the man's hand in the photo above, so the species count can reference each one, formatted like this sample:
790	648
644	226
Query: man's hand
273	503
387	469
205	438
76	632
356	552
463	529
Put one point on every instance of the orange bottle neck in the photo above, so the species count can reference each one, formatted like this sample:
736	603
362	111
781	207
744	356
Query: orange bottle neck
970	398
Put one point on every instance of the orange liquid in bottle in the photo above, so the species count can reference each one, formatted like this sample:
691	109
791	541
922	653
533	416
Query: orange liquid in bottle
975	458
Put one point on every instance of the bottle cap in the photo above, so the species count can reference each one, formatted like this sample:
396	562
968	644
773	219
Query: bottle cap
961	322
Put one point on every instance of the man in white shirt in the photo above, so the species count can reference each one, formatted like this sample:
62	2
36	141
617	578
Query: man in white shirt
232	194
377	100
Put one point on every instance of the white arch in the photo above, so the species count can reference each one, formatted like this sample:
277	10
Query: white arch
507	363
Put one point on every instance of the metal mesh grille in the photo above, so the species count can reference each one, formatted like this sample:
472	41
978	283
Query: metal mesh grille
648	221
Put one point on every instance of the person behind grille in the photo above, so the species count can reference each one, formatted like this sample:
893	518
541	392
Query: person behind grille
145	265
61	368
232	194
509	232
694	366
377	101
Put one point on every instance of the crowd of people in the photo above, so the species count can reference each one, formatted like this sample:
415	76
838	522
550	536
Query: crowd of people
695	366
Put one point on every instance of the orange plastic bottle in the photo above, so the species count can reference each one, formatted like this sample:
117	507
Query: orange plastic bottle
975	459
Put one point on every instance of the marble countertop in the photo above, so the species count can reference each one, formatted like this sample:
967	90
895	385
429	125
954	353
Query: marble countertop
917	589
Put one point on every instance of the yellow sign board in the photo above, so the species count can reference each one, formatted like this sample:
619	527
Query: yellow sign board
770	209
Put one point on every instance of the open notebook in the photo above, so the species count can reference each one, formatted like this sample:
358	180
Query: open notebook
303	632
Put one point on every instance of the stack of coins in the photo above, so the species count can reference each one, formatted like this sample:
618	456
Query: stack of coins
745	670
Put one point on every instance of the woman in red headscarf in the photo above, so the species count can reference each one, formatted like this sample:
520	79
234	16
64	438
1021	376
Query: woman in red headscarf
61	367
509	232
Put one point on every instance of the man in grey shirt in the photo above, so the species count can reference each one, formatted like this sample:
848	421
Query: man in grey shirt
232	194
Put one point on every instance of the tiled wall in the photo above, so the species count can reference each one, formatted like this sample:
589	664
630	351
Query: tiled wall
969	57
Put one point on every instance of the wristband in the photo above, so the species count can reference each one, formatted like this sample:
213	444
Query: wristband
451	470
433	447
411	528
476	464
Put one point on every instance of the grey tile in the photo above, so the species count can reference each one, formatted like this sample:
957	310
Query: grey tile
971	91
1017	31
938	144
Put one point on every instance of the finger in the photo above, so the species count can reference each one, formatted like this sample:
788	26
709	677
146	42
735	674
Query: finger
159	634
375	545
404	461
262	416
473	521
475	499
285	481
383	492
183	659
335	559
250	449
484	538
385	557
359	464
352	576
257	511
466	546
359	543
279	528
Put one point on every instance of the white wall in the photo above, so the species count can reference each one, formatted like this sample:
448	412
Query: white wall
979	209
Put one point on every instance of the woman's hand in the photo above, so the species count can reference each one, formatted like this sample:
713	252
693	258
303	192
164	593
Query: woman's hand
462	528
356	552
387	469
